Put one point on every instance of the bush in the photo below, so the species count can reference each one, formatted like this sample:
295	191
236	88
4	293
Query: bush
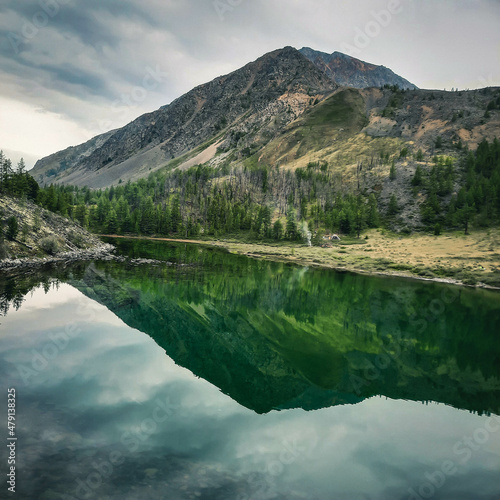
49	245
12	228
76	239
3	250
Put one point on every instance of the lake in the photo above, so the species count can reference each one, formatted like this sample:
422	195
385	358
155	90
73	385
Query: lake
208	375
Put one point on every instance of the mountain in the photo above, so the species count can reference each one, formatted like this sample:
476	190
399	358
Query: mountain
60	162
265	95
286	109
348	71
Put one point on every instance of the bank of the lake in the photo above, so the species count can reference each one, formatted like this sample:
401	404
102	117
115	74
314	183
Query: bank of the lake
472	260
100	251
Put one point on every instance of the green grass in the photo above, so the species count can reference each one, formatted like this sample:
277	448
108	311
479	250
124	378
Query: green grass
344	109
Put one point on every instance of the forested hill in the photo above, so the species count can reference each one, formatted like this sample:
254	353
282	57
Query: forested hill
406	192
278	150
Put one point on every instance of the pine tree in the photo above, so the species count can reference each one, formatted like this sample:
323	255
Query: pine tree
112	222
393	207
464	216
278	230
12	228
292	232
392	174
373	218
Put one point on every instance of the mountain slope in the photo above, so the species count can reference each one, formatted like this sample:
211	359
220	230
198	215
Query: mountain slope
358	125
348	71
57	163
274	89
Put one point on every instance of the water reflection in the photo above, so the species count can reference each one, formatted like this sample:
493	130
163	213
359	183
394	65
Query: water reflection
109	415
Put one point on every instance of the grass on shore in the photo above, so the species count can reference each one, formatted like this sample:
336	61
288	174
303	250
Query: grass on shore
469	259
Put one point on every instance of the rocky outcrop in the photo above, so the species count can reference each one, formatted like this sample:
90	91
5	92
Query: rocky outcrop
44	237
348	71
99	252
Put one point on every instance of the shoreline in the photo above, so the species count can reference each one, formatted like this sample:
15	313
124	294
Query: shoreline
246	250
99	252
299	255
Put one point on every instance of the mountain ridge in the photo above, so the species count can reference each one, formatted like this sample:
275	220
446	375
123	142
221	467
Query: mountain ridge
265	95
348	71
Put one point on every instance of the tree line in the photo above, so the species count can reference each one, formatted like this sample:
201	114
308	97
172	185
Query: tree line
267	202
469	196
18	183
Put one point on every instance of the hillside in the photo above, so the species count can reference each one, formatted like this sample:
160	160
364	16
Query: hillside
264	95
58	163
343	128
277	151
42	234
358	126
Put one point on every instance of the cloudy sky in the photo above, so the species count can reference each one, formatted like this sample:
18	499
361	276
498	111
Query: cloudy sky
71	69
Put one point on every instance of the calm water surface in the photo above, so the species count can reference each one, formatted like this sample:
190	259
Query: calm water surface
214	376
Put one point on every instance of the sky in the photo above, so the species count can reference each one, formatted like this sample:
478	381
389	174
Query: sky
72	69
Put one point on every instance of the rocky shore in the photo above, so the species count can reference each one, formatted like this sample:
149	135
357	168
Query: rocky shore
99	252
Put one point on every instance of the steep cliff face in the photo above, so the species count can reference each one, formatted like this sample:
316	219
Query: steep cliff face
277	86
348	71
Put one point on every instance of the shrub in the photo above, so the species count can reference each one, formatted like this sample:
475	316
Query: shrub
12	228
76	239
49	245
3	250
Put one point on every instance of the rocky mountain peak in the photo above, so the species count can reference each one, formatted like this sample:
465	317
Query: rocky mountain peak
348	71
